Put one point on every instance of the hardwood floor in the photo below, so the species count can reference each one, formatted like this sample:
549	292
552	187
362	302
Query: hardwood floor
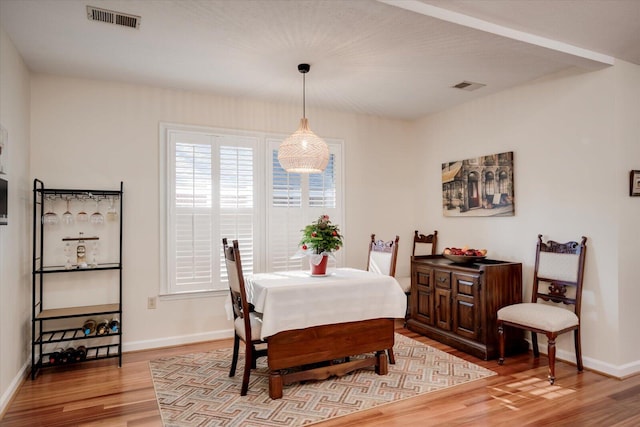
99	393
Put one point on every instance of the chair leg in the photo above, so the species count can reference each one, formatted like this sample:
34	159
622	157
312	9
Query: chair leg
551	351
501	342
408	311
248	360
576	338
234	358
392	357
534	344
254	357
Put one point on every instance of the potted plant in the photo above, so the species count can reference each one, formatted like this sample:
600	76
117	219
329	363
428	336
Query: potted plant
319	240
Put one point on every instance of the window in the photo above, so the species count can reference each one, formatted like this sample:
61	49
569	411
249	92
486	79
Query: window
230	184
295	200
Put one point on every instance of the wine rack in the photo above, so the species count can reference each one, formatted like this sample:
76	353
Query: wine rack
52	327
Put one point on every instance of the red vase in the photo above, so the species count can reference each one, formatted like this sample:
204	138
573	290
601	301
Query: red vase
320	269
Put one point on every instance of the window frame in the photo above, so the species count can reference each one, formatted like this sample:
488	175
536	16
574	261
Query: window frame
262	201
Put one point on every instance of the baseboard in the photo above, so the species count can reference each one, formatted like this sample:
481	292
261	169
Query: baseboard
13	387
176	340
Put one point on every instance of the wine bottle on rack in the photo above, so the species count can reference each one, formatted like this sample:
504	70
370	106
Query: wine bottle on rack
69	355
80	354
55	358
103	327
64	357
89	327
114	325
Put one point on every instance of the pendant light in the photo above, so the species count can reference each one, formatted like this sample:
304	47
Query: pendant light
304	151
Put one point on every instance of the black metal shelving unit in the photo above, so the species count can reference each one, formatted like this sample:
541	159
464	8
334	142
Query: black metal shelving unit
42	332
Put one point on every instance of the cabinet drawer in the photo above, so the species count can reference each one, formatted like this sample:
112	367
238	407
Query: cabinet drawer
466	284
442	279
423	278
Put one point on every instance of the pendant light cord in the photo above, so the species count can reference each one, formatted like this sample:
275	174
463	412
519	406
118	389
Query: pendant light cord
304	98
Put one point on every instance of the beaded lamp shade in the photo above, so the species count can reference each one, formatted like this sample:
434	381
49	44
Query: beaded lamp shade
304	151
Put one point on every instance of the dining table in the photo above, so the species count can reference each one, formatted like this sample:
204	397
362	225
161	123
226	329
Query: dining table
313	325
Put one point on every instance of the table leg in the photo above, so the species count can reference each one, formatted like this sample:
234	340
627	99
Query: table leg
275	385
382	363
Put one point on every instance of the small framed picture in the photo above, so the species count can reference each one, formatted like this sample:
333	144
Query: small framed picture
634	183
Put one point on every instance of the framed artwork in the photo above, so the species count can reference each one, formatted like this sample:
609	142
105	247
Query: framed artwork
634	183
481	186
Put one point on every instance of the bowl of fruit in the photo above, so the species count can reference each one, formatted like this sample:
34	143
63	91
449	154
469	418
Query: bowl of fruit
464	255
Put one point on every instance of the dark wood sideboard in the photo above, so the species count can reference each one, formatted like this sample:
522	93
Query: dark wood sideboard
456	304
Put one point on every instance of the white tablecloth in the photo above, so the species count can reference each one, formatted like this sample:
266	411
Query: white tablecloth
295	300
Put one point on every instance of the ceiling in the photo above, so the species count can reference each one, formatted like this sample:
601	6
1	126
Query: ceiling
391	58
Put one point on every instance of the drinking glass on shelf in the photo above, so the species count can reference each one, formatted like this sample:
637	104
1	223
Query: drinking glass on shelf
112	213
82	216
96	217
94	254
67	252
50	217
67	217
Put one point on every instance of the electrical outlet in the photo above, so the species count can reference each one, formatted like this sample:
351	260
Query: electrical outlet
151	303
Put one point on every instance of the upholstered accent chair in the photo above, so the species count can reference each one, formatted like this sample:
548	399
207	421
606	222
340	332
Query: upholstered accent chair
555	303
247	324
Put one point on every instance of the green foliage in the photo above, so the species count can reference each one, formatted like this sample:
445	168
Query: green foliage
321	236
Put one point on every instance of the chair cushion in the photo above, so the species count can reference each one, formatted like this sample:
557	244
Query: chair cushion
405	283
558	266
256	326
423	249
380	262
539	316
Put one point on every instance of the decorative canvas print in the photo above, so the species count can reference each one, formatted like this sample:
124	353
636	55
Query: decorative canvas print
482	186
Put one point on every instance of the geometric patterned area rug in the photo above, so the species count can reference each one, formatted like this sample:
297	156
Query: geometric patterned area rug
195	389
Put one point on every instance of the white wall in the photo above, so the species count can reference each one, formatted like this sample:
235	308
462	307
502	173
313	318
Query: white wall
627	132
92	134
574	138
15	243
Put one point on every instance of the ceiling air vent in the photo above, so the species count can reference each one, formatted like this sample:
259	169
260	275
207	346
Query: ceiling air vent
112	17
468	86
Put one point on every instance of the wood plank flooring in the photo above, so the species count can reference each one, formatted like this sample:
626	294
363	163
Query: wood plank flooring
101	394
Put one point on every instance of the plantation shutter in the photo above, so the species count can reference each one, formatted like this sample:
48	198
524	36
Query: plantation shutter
212	196
295	200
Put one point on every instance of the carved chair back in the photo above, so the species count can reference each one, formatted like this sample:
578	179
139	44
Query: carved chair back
382	256
425	245
559	272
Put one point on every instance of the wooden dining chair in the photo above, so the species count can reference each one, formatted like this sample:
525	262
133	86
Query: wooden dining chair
382	260
382	256
555	303
422	245
247	324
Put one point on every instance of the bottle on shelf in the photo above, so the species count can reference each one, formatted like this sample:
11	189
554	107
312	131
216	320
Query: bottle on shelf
64	357
102	327
89	327
81	252
69	355
80	354
55	358
114	325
